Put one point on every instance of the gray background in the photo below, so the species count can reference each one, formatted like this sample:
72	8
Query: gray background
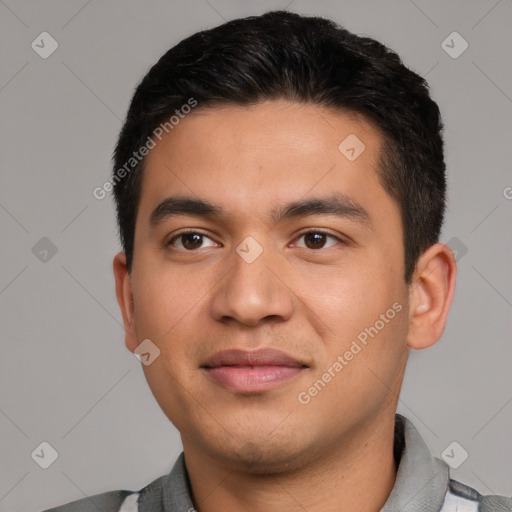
65	374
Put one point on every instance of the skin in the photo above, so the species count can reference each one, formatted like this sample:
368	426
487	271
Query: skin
255	451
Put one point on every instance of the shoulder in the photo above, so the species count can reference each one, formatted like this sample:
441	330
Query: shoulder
172	488
106	502
117	501
461	497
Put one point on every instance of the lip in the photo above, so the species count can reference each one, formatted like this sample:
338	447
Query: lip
255	371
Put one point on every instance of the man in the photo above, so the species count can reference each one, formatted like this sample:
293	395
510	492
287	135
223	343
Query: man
280	190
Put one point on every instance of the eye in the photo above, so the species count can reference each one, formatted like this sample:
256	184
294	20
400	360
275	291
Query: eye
190	240
317	239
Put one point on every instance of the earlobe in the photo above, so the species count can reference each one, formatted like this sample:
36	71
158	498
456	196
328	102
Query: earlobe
430	295
125	299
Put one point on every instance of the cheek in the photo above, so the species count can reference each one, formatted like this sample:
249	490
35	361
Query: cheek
363	354
347	299
171	310
362	311
161	301
166	308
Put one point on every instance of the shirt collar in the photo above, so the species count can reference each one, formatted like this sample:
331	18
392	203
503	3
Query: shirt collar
422	480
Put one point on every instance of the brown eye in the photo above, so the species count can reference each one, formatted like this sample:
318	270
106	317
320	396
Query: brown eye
315	240
318	240
191	241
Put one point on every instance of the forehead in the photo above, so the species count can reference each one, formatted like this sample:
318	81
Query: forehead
251	158
290	129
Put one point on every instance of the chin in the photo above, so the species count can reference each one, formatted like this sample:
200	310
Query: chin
264	456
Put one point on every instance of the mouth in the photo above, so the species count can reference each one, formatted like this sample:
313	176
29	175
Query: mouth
252	372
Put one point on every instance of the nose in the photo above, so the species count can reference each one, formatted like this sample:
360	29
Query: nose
252	292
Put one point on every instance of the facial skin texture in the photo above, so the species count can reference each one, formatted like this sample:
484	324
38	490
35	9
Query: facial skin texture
251	451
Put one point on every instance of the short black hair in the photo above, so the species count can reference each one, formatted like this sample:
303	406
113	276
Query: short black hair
305	59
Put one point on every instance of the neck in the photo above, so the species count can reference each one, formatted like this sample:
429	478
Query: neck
358	473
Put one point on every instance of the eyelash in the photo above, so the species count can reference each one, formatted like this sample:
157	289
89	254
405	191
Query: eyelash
309	231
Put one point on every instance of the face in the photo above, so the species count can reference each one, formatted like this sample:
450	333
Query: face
268	270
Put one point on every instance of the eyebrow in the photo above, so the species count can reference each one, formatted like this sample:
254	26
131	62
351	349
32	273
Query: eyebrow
339	205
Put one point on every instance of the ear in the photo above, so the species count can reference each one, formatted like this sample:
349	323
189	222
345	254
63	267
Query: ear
125	299
430	295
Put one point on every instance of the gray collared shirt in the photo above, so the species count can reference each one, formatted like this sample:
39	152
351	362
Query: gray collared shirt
422	484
